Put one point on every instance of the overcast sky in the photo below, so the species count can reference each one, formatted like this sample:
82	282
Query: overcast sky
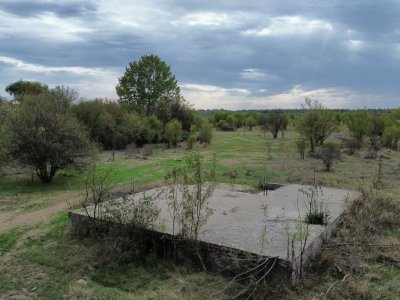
224	54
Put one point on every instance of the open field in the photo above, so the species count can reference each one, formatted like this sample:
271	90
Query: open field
38	259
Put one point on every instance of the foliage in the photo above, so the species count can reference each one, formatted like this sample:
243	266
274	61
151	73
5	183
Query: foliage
20	88
391	133
145	82
97	120
357	123
173	132
316	212
196	183
46	137
110	125
226	126
276	120
230	121
250	122
136	211
375	129
316	124
153	129
391	136
205	134
328	152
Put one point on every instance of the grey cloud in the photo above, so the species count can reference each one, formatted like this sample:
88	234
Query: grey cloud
216	54
63	9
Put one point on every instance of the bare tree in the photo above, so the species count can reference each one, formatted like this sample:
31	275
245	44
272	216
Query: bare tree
97	189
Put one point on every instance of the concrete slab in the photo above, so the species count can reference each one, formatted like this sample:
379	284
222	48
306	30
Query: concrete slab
238	222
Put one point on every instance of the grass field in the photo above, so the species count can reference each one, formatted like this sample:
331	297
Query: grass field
38	258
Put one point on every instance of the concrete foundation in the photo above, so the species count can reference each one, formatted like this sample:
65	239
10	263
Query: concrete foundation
239	229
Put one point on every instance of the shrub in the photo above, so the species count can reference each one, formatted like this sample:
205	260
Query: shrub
205	134
173	132
352	145
328	152
225	126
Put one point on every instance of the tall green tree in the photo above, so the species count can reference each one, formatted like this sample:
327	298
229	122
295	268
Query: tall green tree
20	88
145	82
45	136
316	124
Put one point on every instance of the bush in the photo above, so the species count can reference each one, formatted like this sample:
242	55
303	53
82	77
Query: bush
352	145
225	126
328	152
205	134
190	141
391	137
173	132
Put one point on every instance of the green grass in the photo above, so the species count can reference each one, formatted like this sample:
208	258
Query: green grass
49	266
396	233
9	239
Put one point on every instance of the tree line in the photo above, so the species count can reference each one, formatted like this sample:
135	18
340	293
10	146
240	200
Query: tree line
49	129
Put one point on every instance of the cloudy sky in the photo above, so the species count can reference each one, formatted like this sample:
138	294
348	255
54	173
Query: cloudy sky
224	54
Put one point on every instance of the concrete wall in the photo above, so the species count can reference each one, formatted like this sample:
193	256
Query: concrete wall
215	258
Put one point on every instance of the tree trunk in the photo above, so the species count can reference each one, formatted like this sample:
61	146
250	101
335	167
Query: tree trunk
44	174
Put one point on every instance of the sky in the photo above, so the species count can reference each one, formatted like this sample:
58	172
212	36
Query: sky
225	54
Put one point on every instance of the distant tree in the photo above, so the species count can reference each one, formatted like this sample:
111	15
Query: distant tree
301	147
285	123
93	114
262	121
46	137
174	106
20	88
357	123
375	129
391	136
64	94
316	123
205	134
250	122
391	133
276	120
220	115
145	82
173	132
239	119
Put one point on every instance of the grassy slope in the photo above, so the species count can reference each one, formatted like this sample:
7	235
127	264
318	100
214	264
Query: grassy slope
47	263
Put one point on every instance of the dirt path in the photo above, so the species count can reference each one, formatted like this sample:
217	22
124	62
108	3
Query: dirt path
16	218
